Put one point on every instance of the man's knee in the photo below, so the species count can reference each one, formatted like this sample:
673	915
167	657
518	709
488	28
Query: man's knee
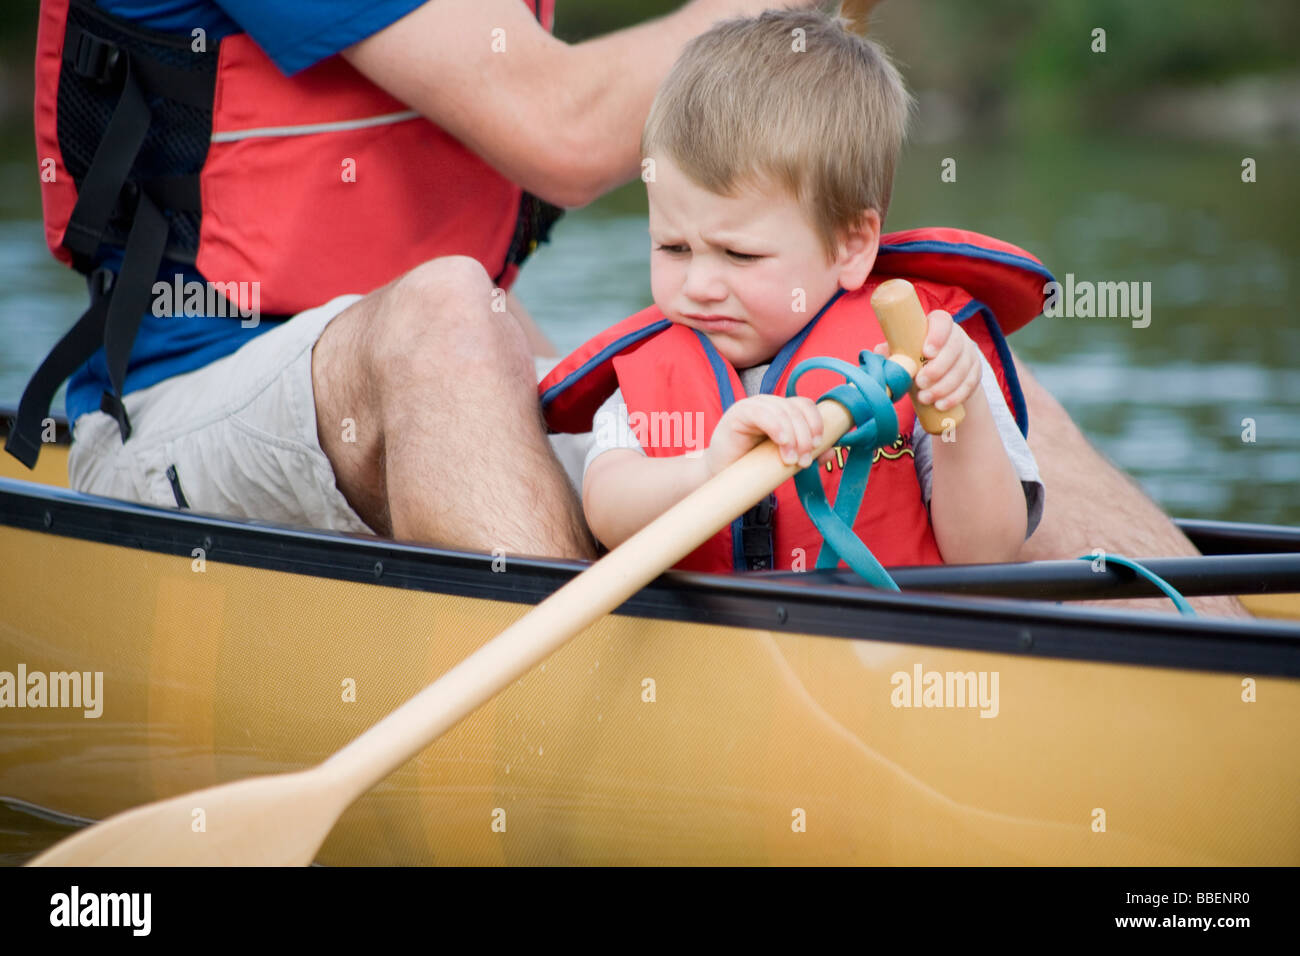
441	315
457	279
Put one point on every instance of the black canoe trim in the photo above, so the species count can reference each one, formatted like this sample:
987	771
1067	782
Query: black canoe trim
807	604
1210	537
1232	537
1073	580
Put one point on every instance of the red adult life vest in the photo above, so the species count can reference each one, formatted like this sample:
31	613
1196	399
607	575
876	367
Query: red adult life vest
990	287
312	185
280	203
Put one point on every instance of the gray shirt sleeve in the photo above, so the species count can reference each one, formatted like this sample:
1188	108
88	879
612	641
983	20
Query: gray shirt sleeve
1014	442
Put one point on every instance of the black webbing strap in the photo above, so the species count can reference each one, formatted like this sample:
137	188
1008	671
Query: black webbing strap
131	294
117	306
105	195
177	193
24	441
99	59
184	86
97	196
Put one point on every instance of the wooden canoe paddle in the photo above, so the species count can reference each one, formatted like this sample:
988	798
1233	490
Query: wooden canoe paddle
282	819
903	321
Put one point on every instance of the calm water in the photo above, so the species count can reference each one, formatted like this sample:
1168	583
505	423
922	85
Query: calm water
1166	402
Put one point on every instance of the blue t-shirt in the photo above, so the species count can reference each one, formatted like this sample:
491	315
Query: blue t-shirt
295	34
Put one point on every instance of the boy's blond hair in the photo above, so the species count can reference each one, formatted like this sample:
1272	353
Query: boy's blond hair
790	97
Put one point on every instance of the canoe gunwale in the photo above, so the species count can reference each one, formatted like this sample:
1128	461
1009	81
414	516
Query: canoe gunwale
808	605
1235	537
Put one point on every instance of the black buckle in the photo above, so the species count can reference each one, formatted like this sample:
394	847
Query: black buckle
756	535
97	59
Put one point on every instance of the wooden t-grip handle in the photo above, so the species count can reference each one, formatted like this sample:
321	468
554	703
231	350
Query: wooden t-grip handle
903	321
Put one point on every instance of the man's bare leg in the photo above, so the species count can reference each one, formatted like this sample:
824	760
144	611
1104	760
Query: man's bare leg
1091	504
449	446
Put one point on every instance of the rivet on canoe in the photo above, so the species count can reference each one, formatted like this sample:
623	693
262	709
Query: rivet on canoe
782	615
49	519
1026	640
379	569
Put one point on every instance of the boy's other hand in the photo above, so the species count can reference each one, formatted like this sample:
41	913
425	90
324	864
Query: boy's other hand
952	368
794	424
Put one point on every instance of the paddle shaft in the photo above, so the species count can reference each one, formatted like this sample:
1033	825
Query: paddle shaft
606	584
570	610
284	818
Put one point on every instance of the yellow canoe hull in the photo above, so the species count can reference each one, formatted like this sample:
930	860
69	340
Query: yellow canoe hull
748	747
643	741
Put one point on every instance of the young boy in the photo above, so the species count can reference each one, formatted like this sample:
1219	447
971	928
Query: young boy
770	152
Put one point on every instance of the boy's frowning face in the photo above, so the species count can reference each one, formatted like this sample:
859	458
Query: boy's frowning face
738	268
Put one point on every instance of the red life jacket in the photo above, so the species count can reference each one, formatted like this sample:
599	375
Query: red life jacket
278	204
671	371
312	185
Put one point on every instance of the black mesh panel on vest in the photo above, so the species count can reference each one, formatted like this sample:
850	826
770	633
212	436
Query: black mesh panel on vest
177	141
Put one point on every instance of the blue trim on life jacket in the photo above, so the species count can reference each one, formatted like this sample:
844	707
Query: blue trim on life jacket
601	357
970	250
783	357
720	367
1018	407
728	397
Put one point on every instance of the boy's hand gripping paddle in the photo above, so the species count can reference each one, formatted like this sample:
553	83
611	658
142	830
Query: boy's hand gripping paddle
903	320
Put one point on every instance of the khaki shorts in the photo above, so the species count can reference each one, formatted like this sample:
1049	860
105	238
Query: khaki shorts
239	435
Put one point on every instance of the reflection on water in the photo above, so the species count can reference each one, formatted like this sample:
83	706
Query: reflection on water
1166	402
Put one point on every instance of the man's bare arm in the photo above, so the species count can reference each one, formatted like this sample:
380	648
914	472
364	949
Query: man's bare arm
563	121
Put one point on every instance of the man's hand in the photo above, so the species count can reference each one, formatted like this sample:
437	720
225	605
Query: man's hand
564	122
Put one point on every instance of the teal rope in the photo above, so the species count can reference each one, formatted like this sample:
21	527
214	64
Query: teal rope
1169	590
866	395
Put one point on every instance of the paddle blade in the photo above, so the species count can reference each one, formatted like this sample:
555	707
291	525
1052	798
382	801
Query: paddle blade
278	820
